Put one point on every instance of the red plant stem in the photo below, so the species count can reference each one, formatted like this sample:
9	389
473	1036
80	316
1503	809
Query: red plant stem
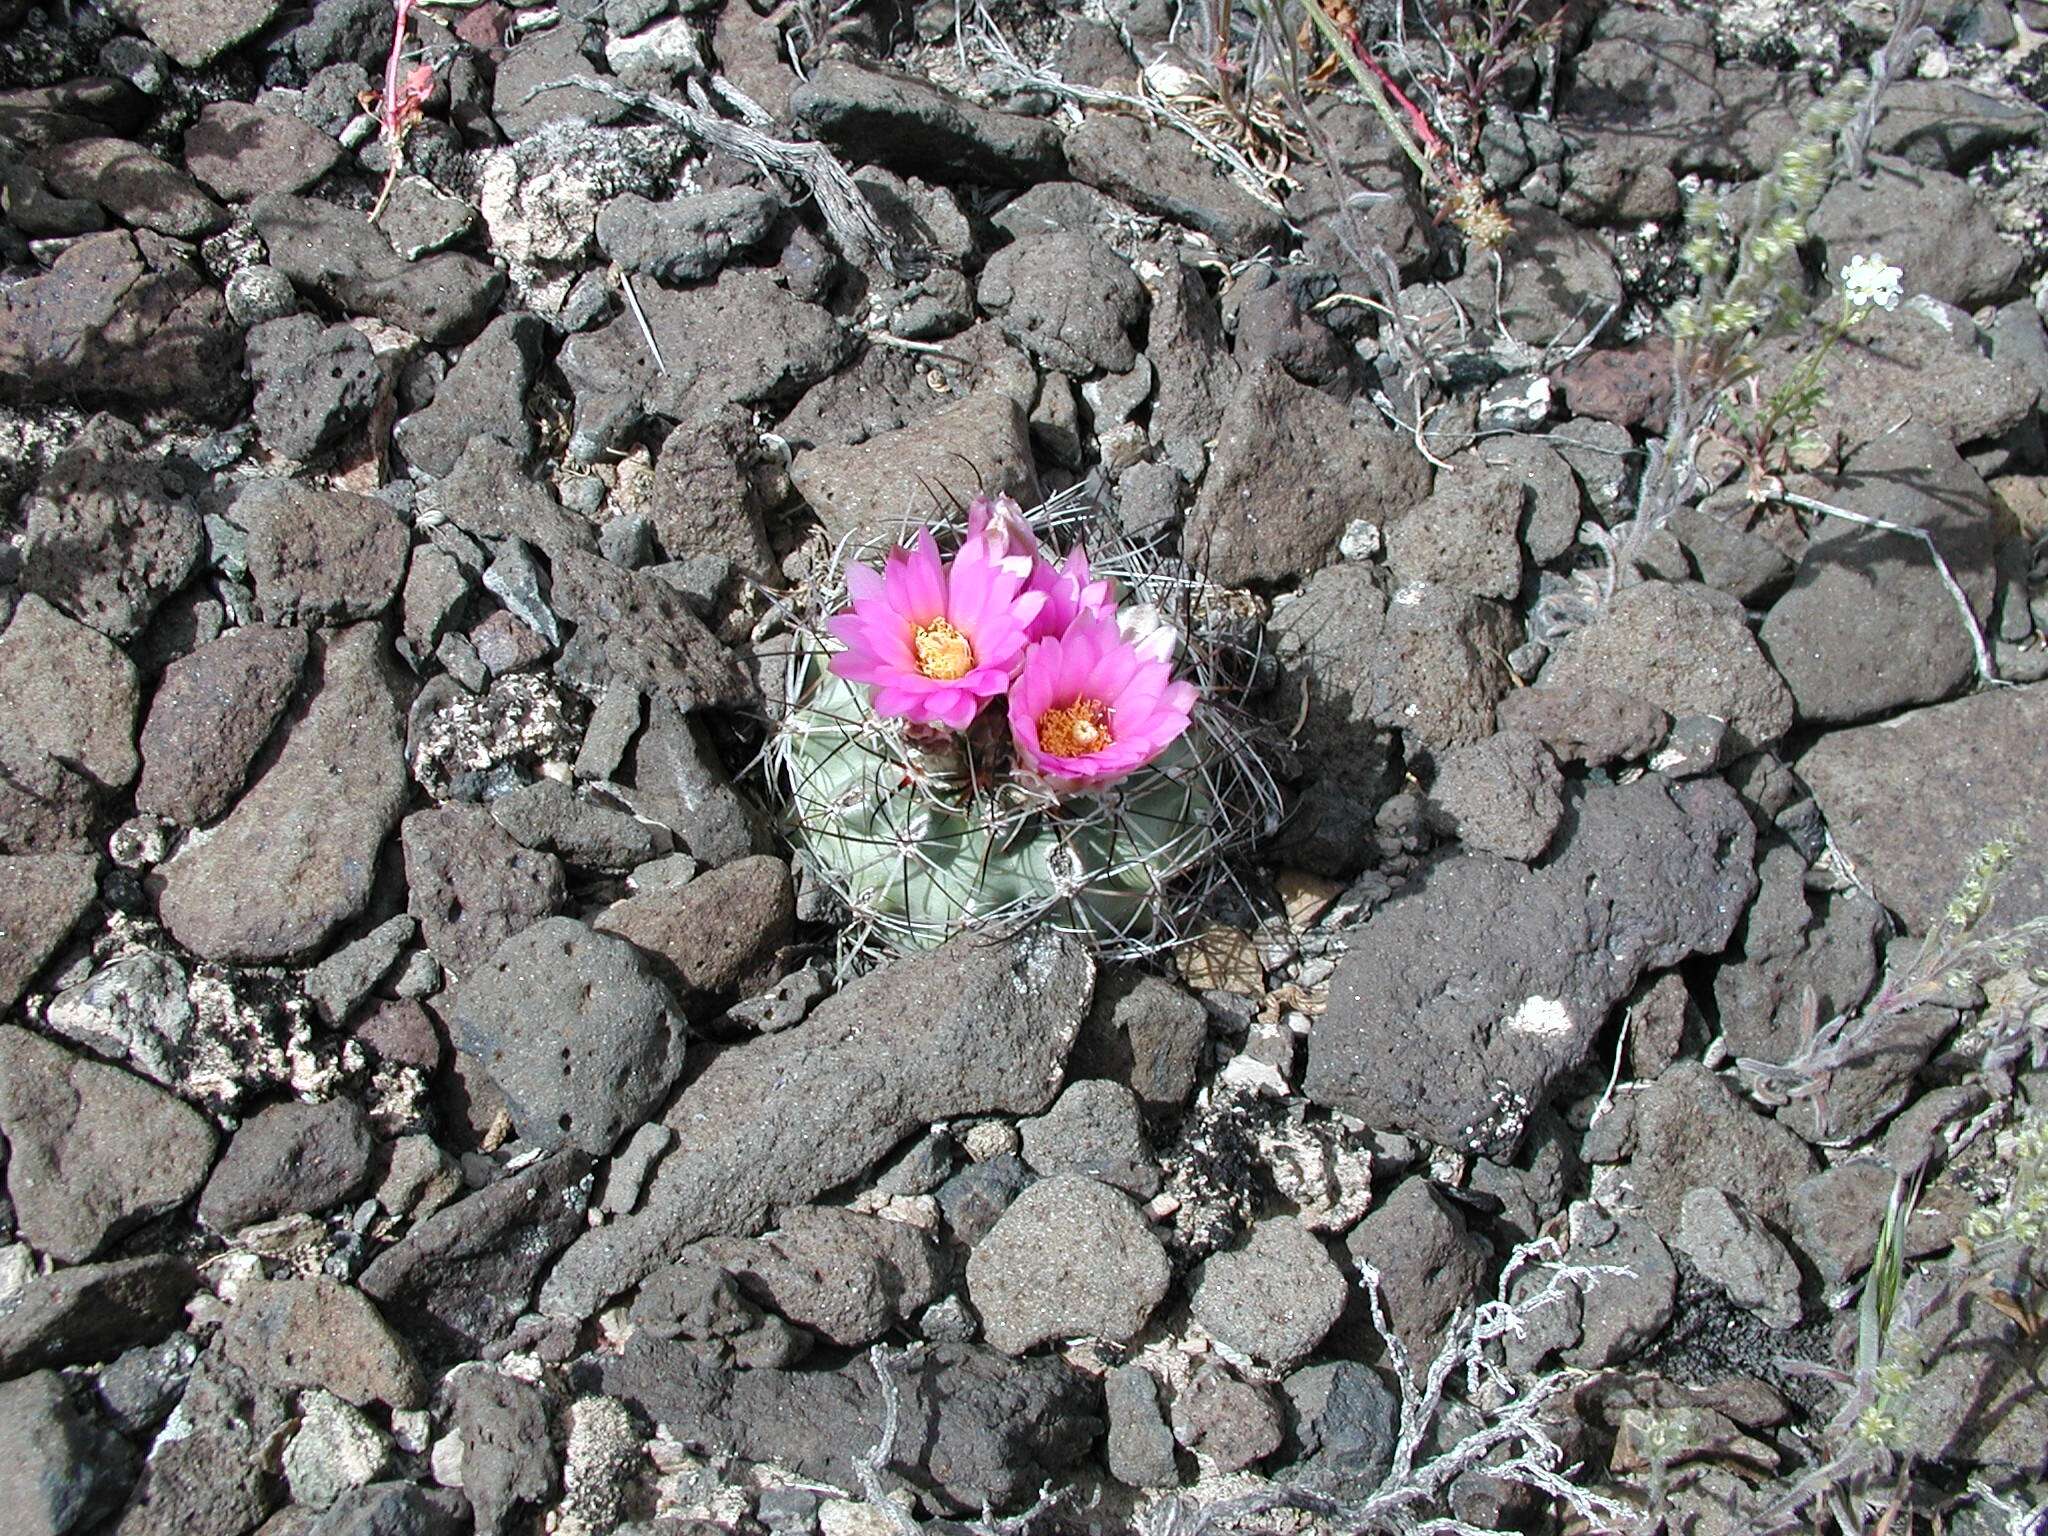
1426	136
392	65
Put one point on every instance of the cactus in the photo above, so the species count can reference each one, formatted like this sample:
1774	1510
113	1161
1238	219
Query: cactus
924	833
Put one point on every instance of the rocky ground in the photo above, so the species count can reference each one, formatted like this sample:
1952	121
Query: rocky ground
429	1097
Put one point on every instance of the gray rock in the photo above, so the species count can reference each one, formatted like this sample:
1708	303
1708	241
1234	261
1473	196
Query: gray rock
42	898
394	1509
316	1332
1145	1033
680	782
338	984
974	1199
1645	874
1594	725
140	1389
1622	1313
974	1426
706	501
584	1040
315	384
1947	125
1276	1297
1684	649
210	715
648	634
742	339
1197	376
335	253
1886	792
1693	1131
1978	1397
1229	1423
46	807
94	1151
1292	468
1139	1446
1439	666
1345	1423
1066	298
848	1277
286	1159
1160	172
212	1472
552	816
559	53
259	293
335	1449
1933	225
872	488
121	317
67	691
484	396
507	1455
195	34
59	1471
463	1276
1868	625
916	128
1738	1253
1465	535
1502	795
241	151
131	183
111	534
320	556
295	859
1557	282
1070	1258
489	495
713	936
471	886
90	1312
1094	1129
966	1029
1728	556
685	239
1428	1262
626	1177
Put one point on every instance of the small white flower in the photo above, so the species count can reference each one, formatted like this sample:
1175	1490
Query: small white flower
1867	283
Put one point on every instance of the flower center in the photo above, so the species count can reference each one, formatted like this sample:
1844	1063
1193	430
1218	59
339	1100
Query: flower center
943	653
1076	730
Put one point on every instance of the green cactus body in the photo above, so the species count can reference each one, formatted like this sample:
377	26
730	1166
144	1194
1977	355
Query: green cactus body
918	853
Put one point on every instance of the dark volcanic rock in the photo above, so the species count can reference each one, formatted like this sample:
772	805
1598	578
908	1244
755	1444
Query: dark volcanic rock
576	1029
705	502
315	384
471	886
110	533
845	1276
339	255
1911	801
502	1425
67	691
59	1470
1463	998
914	127
121	318
685	239
1430	1262
242	151
975	1426
710	936
320	556
296	857
318	1332
93	1151
42	897
195	32
1935	226
1292	469
1070	1258
970	1028
648	634
132	184
288	1158
218	1474
484	396
1868	624
212	712
1159	171
459	1279
91	1312
1067	299
45	806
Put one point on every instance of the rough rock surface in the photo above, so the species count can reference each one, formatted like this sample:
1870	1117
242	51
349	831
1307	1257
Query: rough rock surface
210	715
966	1029
296	857
1644	875
1070	1258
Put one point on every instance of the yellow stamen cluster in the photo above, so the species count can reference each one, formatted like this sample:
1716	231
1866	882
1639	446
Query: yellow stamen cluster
1077	730
943	653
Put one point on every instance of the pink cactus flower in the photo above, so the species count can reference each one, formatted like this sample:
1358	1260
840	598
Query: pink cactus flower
1090	707
1068	585
935	639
